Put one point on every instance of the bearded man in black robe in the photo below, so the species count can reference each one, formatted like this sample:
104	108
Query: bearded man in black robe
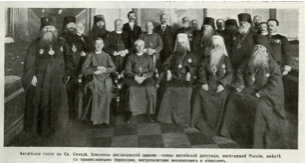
214	75
255	114
229	34
80	46
243	41
45	67
202	39
99	29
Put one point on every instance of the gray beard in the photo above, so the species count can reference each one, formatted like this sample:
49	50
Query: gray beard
244	29
259	60
49	37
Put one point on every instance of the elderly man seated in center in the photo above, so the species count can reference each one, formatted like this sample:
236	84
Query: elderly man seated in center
175	91
140	96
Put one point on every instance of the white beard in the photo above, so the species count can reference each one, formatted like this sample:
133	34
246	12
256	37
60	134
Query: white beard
244	29
215	56
49	37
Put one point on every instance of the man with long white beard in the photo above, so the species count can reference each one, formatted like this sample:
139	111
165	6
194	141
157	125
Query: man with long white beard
208	100
180	70
202	39
229	34
80	46
45	67
255	114
280	46
243	41
99	29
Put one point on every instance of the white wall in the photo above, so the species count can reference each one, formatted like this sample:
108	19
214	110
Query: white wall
289	22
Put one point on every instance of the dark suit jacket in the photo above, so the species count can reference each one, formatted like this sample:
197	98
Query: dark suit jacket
130	36
167	39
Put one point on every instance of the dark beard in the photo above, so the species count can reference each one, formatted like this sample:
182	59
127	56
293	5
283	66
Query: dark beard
99	32
181	50
207	34
69	36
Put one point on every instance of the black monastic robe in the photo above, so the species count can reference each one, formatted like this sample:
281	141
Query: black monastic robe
46	108
241	48
80	46
257	122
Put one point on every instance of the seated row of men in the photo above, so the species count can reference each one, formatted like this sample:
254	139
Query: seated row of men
237	95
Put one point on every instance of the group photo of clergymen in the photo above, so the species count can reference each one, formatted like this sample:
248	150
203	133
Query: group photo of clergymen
151	77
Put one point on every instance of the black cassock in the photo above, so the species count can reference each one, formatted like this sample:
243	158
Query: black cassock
241	48
79	46
257	122
46	108
208	106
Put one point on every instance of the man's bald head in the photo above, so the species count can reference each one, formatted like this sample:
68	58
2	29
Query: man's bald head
149	27
118	24
80	28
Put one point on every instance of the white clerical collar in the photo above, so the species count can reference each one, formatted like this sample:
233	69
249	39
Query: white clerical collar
163	25
79	34
275	33
98	52
265	34
119	32
150	33
139	54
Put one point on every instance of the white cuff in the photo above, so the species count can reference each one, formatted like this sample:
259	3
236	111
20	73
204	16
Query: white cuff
287	68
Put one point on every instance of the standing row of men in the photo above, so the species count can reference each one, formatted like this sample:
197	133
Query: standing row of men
213	60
